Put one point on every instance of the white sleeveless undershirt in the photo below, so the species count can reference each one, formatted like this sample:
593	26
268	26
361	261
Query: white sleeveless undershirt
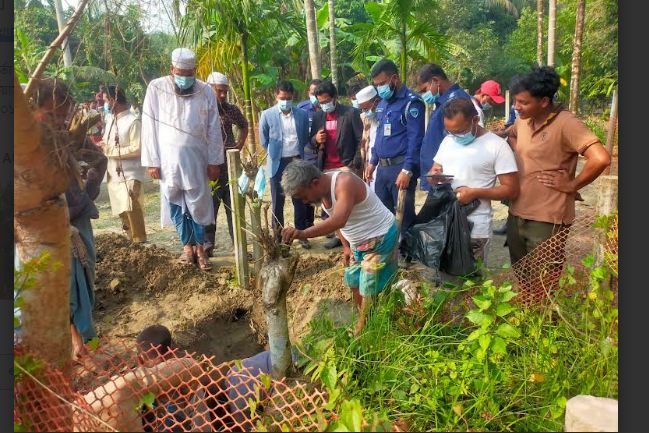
369	218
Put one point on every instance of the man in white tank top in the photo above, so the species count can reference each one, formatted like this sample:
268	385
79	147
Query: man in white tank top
365	226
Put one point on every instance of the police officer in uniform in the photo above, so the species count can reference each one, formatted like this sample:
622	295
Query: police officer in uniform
395	156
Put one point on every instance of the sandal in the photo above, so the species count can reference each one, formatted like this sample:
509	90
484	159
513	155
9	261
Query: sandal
204	264
186	259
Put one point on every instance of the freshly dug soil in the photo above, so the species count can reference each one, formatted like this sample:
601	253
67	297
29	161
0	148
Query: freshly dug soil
137	286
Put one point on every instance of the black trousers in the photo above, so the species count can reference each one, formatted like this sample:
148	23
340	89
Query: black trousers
220	195
278	198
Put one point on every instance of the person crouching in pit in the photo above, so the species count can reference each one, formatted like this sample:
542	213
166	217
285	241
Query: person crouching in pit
365	226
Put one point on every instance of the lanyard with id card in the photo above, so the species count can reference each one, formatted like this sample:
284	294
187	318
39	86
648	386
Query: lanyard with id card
387	126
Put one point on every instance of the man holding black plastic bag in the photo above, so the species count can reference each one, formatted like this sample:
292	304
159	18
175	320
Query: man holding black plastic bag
475	158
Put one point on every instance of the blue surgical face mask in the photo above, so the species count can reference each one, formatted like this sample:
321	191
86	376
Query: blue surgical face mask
429	98
184	83
106	107
466	138
355	103
328	107
314	100
370	114
486	106
285	104
385	91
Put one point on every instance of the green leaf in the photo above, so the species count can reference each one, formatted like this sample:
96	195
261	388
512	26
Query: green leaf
93	343
476	334
333	397
351	415
482	302
504	309
484	341
329	376
499	346
147	400
507	331
477	317
16	322
266	380
322	16
507	296
588	261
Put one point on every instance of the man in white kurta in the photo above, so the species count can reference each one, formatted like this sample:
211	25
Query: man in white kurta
121	144
182	146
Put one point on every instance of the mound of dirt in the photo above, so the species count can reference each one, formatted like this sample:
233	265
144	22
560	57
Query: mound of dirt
317	288
137	286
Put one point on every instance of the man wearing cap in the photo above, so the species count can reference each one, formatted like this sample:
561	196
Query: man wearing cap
435	88
182	146
487	96
398	141
368	99
230	115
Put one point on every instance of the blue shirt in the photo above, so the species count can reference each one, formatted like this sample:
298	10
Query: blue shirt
436	132
307	106
512	117
403	117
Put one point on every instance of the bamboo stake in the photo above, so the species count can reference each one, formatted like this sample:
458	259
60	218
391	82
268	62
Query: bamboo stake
56	44
612	125
507	105
238	217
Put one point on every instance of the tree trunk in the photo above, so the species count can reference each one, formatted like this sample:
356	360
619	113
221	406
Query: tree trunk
312	38
539	32
41	225
404	51
332	43
576	57
275	279
552	27
60	20
252	139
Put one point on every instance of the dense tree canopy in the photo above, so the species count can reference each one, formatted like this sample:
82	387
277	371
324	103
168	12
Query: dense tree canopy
473	41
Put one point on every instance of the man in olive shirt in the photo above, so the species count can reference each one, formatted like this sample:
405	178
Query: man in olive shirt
547	140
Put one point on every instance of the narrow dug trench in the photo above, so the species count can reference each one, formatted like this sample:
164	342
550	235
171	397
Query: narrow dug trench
137	286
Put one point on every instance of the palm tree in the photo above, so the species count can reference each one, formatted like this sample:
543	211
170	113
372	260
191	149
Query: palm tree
312	38
576	56
332	43
552	29
224	31
539	32
398	28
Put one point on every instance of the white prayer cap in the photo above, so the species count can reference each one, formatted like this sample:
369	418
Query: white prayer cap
366	94
217	78
183	58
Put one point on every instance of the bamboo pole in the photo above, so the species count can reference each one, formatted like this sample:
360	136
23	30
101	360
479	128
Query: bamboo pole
54	45
238	218
507	104
612	126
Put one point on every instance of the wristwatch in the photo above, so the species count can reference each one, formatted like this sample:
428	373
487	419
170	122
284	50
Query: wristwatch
407	172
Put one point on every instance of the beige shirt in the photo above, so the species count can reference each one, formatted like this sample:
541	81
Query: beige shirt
554	145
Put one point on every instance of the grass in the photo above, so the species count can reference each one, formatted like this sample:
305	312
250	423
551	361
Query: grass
503	368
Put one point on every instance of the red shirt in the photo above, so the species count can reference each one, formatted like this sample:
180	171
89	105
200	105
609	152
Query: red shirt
332	160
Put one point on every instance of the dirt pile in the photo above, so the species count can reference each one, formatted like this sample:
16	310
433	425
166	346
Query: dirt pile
139	285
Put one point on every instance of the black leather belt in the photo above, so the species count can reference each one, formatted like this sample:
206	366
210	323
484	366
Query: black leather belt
386	162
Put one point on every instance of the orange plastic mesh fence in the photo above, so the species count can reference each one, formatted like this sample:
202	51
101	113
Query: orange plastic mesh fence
536	276
115	389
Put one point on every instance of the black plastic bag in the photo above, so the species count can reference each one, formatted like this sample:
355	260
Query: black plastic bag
437	202
425	240
457	258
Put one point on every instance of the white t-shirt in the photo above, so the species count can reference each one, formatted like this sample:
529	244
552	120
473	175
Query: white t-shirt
477	165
